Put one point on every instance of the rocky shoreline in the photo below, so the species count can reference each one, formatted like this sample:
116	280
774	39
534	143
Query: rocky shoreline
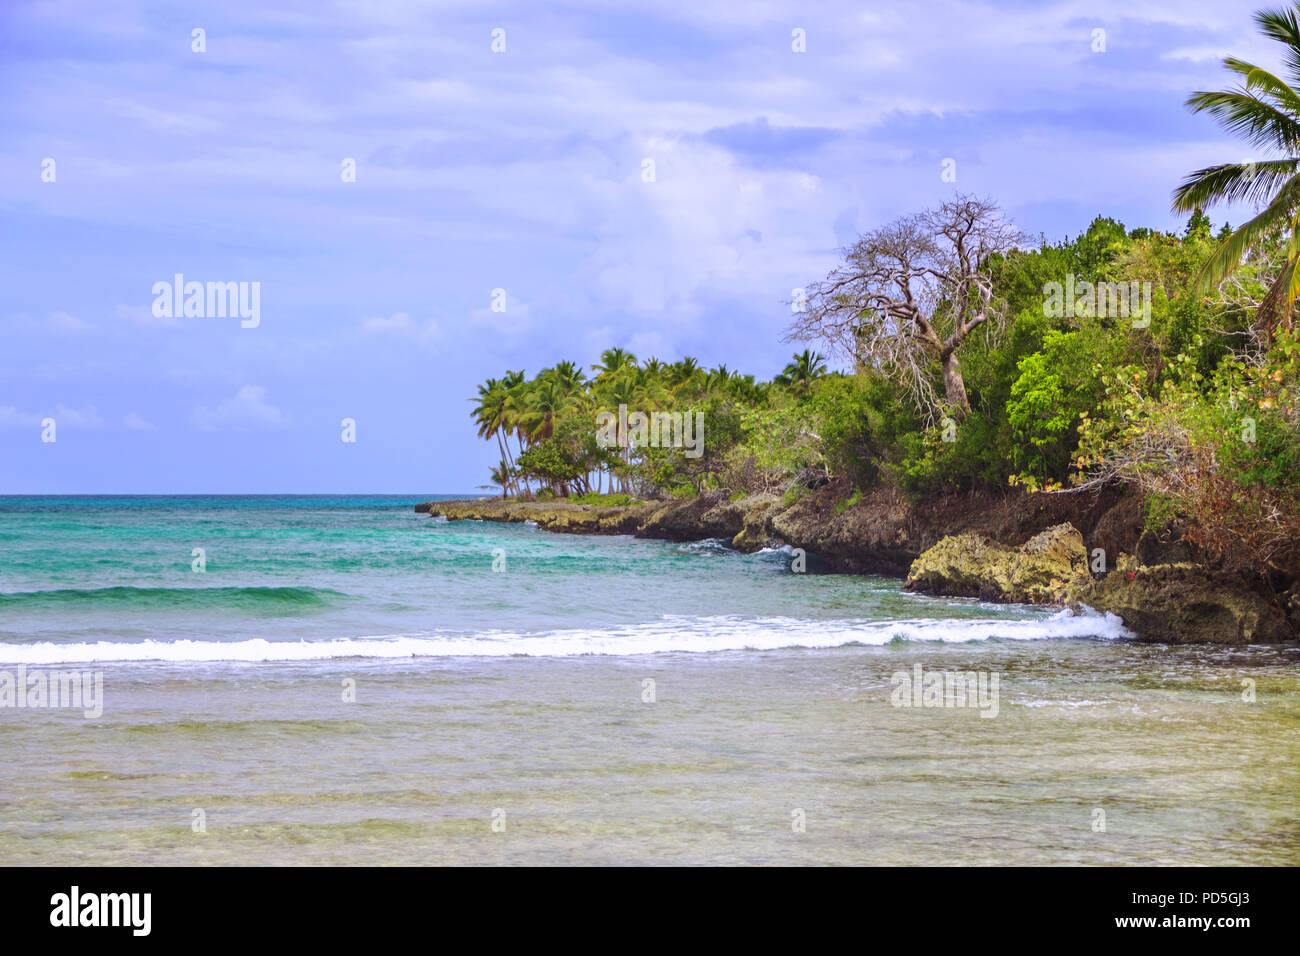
1066	550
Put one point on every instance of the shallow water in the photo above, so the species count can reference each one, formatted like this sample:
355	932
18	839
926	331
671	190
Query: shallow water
519	698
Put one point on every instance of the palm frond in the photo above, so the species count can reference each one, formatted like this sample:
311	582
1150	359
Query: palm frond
1233	182
1245	114
1281	25
1226	258
1259	79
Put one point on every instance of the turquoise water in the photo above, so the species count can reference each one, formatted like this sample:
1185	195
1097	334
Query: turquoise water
115	579
519	696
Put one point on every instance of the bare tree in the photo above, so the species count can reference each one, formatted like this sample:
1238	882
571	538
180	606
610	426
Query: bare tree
909	294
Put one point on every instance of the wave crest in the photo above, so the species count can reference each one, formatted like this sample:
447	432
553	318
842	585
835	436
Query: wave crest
248	598
669	634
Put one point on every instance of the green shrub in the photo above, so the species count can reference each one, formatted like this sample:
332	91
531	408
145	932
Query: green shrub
604	501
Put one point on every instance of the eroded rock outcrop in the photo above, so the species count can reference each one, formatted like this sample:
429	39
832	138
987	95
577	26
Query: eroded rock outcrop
1047	569
755	529
1185	603
560	516
708	516
1010	548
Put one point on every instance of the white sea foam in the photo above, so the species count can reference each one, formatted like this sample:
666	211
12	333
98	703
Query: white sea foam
707	546
670	633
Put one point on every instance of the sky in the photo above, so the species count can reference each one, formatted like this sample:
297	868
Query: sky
516	177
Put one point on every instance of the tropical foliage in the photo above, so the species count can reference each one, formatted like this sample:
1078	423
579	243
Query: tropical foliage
1186	387
1193	403
1264	110
547	430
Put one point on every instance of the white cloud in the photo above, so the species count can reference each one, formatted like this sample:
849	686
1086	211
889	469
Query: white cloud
178	121
13	417
81	418
57	320
709	228
213	375
515	320
69	323
1197	54
647	344
143	315
401	325
247	409
138	424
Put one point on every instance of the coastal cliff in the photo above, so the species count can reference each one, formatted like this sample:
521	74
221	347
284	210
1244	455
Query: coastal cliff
1075	550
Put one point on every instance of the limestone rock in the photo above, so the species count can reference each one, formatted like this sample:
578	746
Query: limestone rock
708	516
755	532
1046	569
1185	603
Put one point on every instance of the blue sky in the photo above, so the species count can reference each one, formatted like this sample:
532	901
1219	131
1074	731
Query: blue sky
519	170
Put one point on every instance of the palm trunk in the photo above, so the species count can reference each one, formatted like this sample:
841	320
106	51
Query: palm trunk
508	484
527	488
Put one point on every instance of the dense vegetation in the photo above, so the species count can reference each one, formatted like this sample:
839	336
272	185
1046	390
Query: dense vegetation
965	372
1200	408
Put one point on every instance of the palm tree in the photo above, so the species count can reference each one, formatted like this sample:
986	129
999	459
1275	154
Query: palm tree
568	374
517	387
547	401
651	393
1265	110
716	378
501	475
802	369
613	361
611	392
492	416
684	377
683	370
743	388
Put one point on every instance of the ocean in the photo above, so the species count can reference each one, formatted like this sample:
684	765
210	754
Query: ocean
338	680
